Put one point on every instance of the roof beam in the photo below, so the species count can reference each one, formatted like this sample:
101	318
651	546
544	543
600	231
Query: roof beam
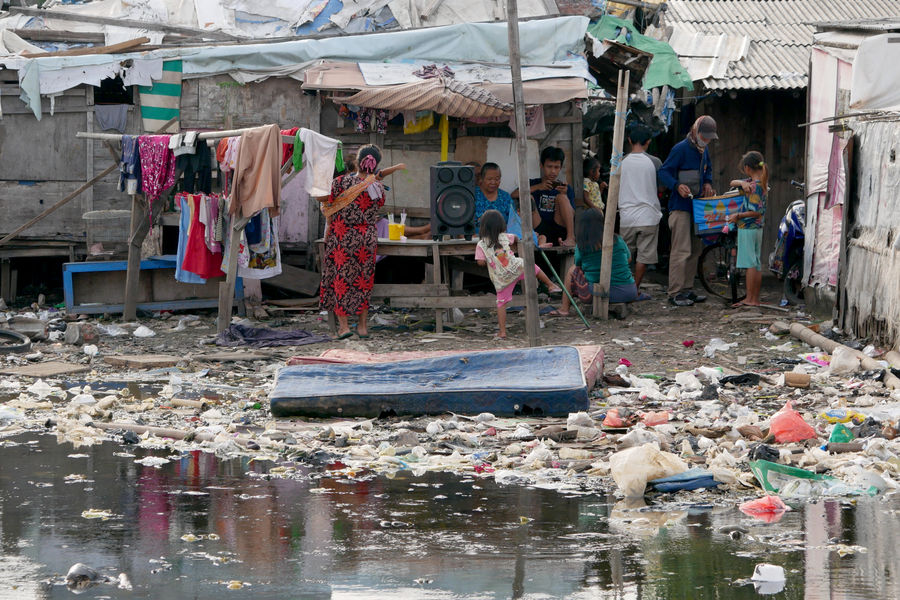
69	16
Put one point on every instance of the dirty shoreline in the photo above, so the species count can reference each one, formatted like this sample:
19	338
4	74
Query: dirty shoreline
174	392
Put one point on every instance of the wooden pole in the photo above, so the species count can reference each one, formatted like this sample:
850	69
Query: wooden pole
515	63
226	288
612	196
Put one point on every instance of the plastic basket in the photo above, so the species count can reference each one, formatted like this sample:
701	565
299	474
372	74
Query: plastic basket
710	213
107	226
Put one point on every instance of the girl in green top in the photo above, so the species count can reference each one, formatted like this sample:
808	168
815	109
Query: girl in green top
580	279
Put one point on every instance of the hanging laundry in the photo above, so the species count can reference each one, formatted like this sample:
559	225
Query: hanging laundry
130	166
257	176
264	258
184	225
534	121
253	230
197	167
112	116
417	123
320	154
198	259
157	165
287	150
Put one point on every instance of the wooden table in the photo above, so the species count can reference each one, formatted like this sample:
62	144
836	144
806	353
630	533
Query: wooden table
444	272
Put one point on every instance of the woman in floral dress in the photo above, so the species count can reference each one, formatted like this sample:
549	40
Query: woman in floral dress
351	241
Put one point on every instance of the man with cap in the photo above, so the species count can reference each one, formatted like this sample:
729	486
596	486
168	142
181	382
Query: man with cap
688	173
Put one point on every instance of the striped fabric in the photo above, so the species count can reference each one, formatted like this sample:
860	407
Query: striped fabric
162	100
443	96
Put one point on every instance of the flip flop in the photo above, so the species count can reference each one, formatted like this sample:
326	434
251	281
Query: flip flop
642	296
363	336
344	336
556	313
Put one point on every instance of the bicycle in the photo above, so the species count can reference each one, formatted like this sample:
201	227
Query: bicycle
717	267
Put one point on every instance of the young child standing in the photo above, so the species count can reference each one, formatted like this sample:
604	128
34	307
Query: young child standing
494	250
749	222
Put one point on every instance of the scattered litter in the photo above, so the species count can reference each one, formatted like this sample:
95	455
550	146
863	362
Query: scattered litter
143	332
717	345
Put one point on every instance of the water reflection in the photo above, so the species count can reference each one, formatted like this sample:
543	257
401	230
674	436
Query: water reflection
320	535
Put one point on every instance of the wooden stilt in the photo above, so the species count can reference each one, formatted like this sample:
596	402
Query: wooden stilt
140	225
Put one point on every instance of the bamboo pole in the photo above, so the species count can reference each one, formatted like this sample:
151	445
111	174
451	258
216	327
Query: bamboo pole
515	63
612	196
812	338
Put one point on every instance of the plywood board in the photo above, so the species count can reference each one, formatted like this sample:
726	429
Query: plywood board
42	150
143	361
46	369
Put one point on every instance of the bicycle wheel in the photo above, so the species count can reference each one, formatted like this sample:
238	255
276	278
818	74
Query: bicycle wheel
713	269
737	283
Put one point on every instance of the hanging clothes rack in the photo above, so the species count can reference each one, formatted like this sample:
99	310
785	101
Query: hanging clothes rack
140	212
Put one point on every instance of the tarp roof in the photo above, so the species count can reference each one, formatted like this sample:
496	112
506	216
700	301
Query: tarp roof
347	76
664	69
545	42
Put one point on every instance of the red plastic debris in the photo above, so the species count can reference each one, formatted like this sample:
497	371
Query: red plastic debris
613	419
788	426
625	361
655	418
490	431
688	343
768	508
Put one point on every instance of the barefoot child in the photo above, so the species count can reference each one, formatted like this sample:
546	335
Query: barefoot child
494	250
750	221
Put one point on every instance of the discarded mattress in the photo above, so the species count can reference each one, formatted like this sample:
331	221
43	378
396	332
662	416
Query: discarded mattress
591	358
544	381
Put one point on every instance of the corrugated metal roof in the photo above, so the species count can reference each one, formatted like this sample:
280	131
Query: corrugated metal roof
780	34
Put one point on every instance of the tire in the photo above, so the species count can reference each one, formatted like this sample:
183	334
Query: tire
712	270
13	342
793	286
718	275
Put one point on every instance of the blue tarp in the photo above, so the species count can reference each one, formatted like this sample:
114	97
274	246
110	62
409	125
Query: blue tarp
529	381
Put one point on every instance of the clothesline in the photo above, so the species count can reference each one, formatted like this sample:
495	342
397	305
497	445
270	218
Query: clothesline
209	136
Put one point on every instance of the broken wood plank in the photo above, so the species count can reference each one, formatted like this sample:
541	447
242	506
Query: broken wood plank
111	49
295	302
46	369
143	361
231	356
134	23
295	279
412	290
461	302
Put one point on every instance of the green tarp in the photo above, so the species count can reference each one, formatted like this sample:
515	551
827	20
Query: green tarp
664	69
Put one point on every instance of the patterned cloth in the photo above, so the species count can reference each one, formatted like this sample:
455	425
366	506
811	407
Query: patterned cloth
755	201
157	165
130	166
592	194
503	203
351	241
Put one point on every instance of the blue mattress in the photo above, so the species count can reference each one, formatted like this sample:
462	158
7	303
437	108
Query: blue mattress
519	382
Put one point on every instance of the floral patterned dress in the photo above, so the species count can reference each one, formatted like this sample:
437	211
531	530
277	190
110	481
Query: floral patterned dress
348	270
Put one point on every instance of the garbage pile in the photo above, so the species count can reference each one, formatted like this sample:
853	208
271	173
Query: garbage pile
824	424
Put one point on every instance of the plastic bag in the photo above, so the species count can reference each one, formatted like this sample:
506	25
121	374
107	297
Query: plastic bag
840	434
631	469
613	420
768	508
716	345
843	361
788	426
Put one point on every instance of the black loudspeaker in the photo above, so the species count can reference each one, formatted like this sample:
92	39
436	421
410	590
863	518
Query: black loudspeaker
452	199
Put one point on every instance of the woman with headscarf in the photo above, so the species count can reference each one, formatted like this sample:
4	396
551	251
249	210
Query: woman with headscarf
351	240
688	173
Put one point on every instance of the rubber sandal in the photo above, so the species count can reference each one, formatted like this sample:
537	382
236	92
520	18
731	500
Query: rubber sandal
344	336
363	336
642	296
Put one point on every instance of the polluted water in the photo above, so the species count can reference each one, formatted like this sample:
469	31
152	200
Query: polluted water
120	521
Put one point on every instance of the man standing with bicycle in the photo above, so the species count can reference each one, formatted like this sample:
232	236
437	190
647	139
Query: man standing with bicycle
687	171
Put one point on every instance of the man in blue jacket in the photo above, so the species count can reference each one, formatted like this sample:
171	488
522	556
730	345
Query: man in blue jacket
688	173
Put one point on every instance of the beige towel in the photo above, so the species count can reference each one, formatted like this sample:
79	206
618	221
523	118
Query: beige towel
257	177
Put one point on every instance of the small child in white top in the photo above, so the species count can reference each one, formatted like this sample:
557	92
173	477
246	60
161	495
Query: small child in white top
494	250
